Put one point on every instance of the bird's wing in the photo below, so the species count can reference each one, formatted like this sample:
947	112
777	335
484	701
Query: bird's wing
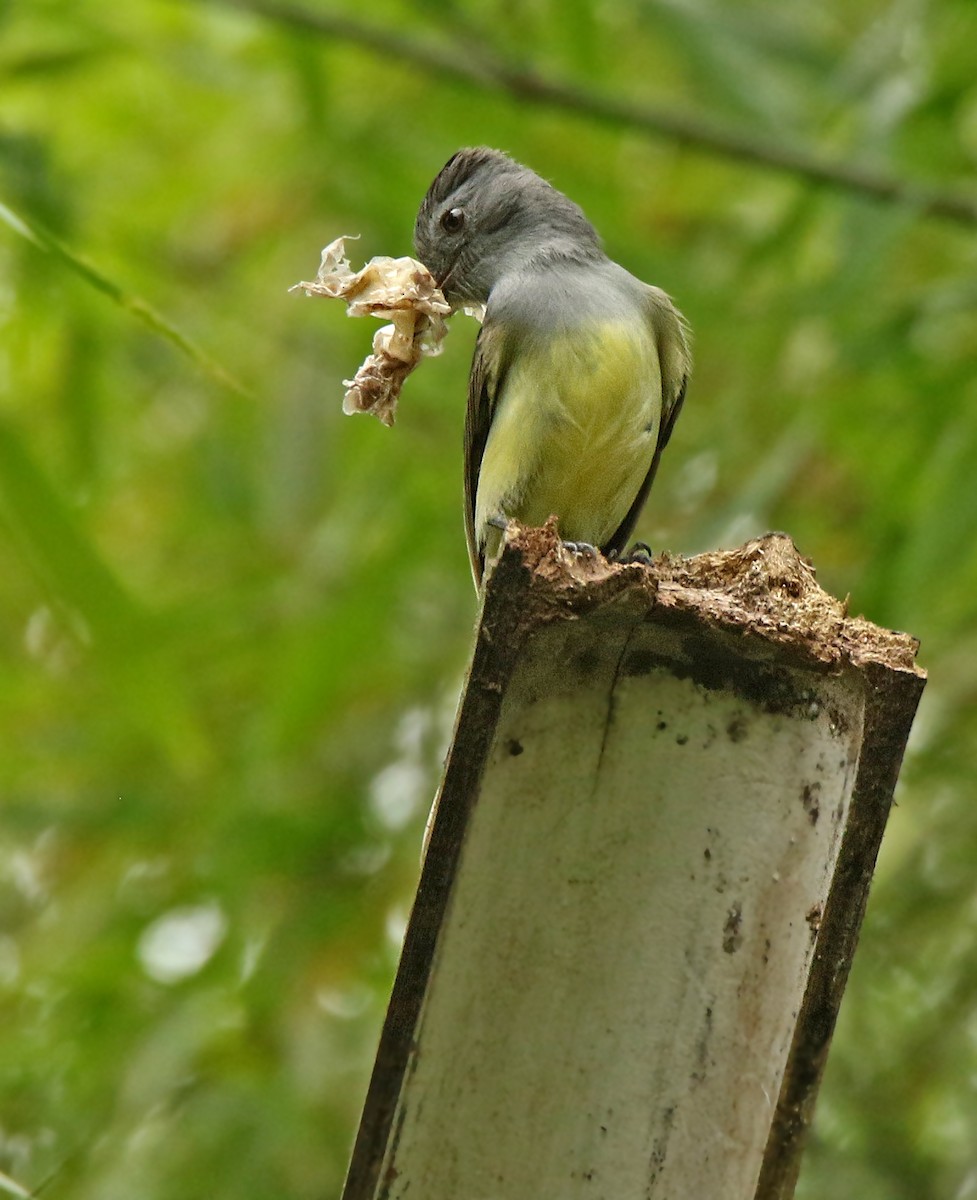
484	386
671	339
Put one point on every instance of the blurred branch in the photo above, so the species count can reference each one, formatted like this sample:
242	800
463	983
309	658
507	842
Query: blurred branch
475	65
44	240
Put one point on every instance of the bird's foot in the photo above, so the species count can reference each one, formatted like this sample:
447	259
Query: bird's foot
640	552
584	549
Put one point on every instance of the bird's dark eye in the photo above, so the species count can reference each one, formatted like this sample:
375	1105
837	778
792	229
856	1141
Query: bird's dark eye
453	220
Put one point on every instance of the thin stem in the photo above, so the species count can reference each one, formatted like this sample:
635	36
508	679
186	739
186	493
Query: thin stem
141	309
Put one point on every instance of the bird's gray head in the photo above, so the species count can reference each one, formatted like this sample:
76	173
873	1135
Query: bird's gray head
485	215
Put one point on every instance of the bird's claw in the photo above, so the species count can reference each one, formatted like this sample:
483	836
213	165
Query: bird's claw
585	549
640	553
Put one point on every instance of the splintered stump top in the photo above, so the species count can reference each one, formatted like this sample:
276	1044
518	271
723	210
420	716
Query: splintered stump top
763	589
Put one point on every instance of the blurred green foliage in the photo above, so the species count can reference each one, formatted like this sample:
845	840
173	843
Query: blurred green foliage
234	623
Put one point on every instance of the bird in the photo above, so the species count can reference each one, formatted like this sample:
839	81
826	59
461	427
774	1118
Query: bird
579	371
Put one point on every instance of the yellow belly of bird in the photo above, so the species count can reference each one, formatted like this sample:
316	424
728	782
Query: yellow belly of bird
573	434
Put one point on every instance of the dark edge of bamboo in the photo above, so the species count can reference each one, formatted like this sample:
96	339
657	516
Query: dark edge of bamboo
890	706
501	633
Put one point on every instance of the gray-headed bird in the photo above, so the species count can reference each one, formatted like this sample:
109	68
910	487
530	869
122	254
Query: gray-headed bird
579	370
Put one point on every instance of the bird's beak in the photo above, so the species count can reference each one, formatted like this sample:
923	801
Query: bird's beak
445	279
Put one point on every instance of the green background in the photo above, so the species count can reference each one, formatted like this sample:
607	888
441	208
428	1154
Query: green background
234	622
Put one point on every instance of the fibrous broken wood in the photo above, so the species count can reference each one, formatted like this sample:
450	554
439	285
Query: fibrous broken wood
652	851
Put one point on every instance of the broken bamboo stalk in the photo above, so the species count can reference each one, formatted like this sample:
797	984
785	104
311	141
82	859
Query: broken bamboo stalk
651	855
